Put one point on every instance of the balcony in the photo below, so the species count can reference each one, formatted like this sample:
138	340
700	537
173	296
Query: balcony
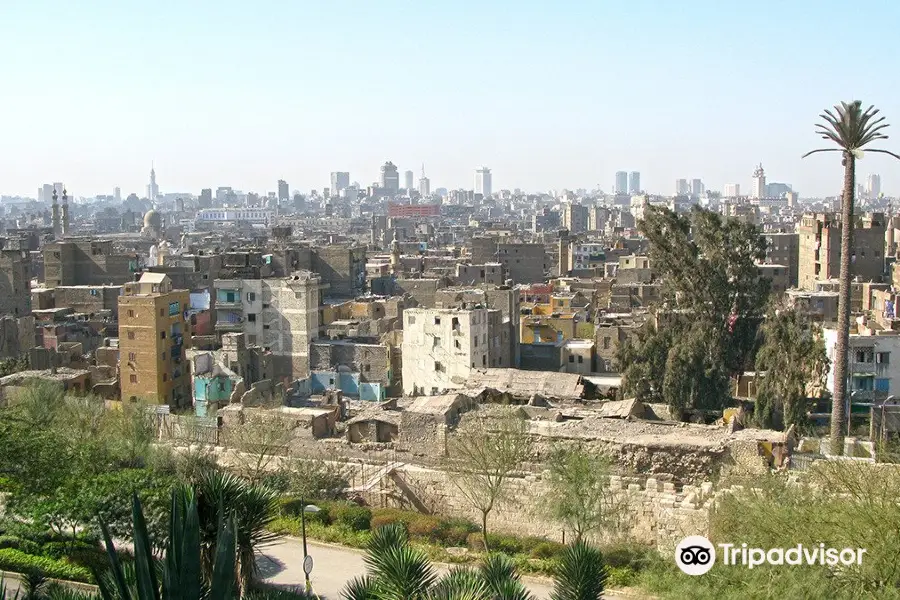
230	326
234	304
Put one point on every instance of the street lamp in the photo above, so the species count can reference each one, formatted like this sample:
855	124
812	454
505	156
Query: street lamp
307	559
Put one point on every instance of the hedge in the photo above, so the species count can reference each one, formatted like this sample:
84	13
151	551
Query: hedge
19	562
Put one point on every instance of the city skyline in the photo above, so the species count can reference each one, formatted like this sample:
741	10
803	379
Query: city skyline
94	107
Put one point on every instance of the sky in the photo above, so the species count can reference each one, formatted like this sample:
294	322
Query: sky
549	95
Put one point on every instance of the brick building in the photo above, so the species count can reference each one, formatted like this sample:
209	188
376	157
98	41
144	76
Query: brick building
153	334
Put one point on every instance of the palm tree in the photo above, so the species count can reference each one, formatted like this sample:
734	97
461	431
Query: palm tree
580	574
397	571
850	128
253	507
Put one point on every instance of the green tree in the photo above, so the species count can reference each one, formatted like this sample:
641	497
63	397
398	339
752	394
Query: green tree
792	356
483	454
579	493
851	128
580	574
711	305
252	506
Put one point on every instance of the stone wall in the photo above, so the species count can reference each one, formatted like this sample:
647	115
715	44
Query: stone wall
652	512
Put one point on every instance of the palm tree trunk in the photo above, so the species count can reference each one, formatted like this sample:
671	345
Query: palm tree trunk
843	338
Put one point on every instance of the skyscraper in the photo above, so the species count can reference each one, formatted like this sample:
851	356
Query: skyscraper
117	194
408	179
205	200
424	184
732	190
46	192
873	185
696	187
340	180
390	177
634	183
758	189
152	188
483	181
681	187
283	192
621	182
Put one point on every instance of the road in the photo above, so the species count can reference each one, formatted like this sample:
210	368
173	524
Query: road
282	563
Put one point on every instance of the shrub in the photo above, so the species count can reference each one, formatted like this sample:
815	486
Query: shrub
356	518
507	544
388	516
19	562
425	526
628	555
455	532
546	549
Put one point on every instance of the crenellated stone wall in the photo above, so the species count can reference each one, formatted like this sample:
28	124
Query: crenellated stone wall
650	511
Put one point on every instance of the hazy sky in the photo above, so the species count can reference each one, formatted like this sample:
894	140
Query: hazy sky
547	94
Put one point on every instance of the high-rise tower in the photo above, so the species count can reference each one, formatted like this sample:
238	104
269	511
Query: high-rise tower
424	184
483	182
758	189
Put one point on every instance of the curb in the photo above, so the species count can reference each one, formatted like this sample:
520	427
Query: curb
625	593
75	585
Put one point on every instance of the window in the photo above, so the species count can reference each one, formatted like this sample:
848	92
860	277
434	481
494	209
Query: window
456	344
251	318
265	326
438	367
882	384
883	358
162	357
484	360
606	343
864	356
571	358
162	335
130	313
412	320
174	308
131	356
580	359
132	378
437	320
436	342
251	339
162	312
367	368
130	335
165	376
251	296
455	323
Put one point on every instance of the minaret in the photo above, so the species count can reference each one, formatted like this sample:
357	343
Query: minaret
55	215
65	212
395	255
152	189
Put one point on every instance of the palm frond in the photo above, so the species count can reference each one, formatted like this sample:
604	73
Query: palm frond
580	574
461	583
359	588
850	127
888	152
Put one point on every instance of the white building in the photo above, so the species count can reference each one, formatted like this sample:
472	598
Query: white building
873	364
758	189
409	179
340	180
279	314
681	187
873	185
634	183
621	182
441	347
254	216
732	190
483	182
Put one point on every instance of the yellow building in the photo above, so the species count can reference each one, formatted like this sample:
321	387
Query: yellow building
153	334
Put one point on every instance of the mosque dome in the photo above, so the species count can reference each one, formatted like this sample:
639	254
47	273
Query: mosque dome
153	220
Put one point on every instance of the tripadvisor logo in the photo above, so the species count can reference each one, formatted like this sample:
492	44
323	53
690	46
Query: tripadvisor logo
696	555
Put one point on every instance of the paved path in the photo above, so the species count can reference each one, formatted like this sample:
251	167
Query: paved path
282	563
